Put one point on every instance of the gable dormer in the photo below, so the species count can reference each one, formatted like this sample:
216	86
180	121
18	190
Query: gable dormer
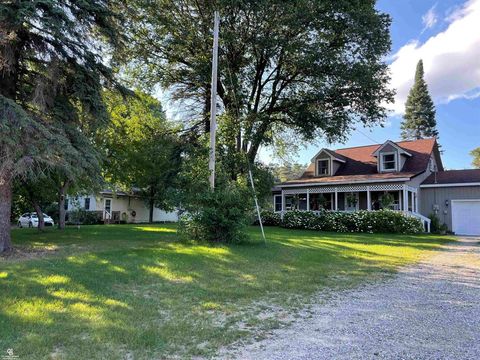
390	157
327	162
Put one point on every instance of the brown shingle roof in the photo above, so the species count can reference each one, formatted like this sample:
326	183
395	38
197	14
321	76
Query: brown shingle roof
454	177
360	162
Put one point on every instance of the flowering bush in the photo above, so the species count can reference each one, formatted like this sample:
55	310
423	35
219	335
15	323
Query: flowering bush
383	221
269	218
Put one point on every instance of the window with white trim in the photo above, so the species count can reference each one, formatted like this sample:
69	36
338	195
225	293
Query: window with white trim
389	162
323	167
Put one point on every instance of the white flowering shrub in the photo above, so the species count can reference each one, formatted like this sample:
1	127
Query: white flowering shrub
269	218
383	221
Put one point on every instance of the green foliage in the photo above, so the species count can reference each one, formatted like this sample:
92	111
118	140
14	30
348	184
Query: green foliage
434	223
287	171
476	157
383	221
386	200
352	200
218	216
443	228
84	217
269	218
419	119
315	67
141	148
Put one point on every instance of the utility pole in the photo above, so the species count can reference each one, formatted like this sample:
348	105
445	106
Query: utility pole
213	101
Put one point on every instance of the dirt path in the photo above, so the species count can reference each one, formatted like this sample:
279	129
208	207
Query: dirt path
429	311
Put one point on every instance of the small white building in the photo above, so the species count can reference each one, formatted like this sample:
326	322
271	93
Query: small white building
119	207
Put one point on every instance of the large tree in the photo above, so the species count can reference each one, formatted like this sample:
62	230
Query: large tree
419	119
142	150
476	157
46	46
307	66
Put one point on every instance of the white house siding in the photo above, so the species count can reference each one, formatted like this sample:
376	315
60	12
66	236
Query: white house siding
125	205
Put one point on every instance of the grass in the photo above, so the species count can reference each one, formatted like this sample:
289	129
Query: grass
135	291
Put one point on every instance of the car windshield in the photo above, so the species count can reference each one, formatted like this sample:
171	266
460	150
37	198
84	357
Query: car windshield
33	215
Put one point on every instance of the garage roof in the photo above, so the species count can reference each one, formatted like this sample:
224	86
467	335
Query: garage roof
454	177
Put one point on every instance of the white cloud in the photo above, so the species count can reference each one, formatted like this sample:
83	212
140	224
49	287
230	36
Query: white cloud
451	60
430	18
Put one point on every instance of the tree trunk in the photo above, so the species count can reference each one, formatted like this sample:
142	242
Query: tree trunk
38	210
61	205
151	203
5	213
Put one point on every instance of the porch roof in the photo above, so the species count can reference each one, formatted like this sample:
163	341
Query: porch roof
350	179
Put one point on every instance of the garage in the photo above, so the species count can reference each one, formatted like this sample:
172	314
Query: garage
466	217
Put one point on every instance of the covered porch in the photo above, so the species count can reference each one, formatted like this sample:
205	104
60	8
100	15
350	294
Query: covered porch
347	198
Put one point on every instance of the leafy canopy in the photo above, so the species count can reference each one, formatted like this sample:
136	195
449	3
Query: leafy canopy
141	147
476	157
307	66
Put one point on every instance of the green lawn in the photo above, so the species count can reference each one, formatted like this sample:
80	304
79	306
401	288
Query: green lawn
115	292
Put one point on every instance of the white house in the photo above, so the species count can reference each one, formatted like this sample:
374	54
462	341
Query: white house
119	206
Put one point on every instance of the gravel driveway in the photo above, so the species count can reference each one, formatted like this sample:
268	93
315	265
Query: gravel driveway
429	311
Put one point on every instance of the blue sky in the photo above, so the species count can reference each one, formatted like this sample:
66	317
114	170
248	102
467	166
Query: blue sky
446	35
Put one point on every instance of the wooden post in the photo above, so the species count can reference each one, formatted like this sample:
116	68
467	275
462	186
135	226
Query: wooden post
336	199
405	198
308	199
369	199
213	101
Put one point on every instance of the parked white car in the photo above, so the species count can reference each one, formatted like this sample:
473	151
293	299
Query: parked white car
31	220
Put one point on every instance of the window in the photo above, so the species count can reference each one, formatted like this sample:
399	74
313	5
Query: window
323	167
278	203
87	203
388	162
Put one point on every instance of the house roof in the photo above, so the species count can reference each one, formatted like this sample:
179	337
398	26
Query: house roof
361	164
454	177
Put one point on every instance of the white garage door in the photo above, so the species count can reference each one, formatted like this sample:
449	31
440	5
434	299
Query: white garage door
466	217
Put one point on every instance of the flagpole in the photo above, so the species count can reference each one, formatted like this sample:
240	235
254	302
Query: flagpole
213	101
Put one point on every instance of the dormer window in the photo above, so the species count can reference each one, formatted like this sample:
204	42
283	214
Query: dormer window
323	167
389	162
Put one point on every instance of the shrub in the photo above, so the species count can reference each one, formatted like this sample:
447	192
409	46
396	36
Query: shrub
269	218
218	216
83	217
301	220
383	221
435	223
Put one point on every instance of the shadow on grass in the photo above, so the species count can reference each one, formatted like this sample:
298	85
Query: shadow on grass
163	296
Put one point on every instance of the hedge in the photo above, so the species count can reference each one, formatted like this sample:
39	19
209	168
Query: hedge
382	221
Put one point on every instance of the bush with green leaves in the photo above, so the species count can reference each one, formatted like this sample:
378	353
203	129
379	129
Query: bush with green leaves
83	217
218	216
269	218
383	221
434	223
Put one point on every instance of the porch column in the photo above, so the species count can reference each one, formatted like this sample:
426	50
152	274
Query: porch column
369	199
308	199
283	204
416	202
405	198
336	199
412	198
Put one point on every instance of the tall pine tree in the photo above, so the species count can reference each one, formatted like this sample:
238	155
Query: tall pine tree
419	119
52	72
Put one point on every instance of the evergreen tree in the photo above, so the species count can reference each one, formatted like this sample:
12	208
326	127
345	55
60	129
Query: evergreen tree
51	77
419	119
